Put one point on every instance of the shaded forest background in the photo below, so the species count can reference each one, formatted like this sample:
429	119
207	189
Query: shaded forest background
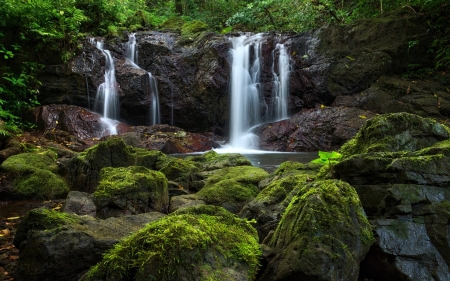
29	28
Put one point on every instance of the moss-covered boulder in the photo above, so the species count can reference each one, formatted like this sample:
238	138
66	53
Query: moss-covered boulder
83	171
268	206
203	243
60	246
130	190
395	132
232	187
323	235
399	164
35	175
212	160
184	172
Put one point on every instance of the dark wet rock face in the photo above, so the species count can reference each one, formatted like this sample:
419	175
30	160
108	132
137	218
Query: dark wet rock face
315	129
330	66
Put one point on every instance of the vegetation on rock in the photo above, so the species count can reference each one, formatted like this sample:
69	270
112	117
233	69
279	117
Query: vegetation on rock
232	185
35	175
325	215
203	243
133	187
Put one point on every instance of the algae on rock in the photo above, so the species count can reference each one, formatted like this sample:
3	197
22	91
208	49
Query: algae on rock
199	243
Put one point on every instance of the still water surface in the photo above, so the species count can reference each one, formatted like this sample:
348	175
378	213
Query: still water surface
267	160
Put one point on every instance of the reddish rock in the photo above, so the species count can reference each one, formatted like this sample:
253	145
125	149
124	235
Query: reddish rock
314	129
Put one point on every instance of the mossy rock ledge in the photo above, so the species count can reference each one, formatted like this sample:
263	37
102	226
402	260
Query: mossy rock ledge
399	164
130	190
36	175
83	171
323	235
198	243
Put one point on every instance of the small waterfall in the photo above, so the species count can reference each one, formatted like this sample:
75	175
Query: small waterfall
281	83
130	47
106	100
247	104
245	96
151	88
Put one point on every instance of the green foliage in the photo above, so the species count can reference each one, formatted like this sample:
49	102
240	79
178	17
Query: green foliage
327	157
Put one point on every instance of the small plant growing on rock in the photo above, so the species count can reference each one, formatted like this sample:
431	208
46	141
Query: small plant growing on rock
328	158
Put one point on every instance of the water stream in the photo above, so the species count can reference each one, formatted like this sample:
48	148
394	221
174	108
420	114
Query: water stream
107	100
148	83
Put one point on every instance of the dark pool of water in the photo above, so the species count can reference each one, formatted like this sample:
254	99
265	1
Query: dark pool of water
268	161
10	209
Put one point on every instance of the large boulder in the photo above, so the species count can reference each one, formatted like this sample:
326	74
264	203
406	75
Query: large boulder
198	243
398	164
130	190
59	246
323	235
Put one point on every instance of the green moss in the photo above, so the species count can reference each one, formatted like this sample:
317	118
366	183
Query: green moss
211	160
395	132
174	23
197	245
35	175
28	162
178	169
41	184
117	181
232	184
193	27
322	209
277	190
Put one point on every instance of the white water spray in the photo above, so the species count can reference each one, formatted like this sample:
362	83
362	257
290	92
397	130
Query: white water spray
130	47
106	100
245	100
281	84
154	105
247	103
149	85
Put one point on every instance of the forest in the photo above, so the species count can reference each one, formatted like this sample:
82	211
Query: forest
30	27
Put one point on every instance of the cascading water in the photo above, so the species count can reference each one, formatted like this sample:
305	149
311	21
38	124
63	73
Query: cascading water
245	100
152	89
130	47
281	84
107	101
149	85
247	103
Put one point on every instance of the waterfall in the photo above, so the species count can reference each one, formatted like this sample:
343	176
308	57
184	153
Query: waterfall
149	85
245	96
106	100
281	84
151	88
247	102
130	47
